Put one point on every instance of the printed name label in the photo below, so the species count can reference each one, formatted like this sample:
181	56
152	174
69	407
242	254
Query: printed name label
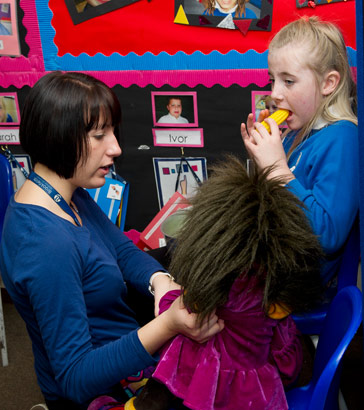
178	137
9	136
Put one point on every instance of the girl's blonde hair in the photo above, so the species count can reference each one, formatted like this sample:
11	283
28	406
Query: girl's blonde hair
239	12
2	102
326	52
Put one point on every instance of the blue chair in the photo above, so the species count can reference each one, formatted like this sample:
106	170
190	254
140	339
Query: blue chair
7	190
310	323
6	187
339	327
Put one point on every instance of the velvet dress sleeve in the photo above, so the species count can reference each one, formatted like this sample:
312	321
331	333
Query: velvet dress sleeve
286	350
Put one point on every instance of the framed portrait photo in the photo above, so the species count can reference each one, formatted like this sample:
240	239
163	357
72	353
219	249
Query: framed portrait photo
82	10
174	109
9	109
243	14
9	38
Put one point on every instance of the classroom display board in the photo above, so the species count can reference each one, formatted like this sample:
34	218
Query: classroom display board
154	53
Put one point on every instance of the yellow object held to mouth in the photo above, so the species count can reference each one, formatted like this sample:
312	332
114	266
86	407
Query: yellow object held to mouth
279	116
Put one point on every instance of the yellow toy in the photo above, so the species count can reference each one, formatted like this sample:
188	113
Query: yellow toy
279	116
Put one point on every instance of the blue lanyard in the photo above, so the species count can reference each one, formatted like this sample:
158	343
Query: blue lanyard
56	196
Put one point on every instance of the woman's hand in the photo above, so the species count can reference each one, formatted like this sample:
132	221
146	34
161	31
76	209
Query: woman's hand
180	320
177	320
266	148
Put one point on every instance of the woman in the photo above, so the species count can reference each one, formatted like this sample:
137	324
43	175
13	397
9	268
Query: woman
66	266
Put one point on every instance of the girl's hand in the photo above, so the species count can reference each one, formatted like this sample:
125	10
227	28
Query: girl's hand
266	148
247	129
181	321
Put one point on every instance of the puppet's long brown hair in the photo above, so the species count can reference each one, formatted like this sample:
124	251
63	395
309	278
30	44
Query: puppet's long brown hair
238	225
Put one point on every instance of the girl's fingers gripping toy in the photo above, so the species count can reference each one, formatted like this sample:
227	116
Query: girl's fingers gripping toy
278	116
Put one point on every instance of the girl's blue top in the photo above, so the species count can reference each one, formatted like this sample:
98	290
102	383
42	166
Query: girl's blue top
326	167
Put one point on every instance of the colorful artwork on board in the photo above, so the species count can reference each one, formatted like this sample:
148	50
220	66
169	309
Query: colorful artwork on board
314	3
82	10
181	175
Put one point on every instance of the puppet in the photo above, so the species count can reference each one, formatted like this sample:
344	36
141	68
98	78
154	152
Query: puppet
247	251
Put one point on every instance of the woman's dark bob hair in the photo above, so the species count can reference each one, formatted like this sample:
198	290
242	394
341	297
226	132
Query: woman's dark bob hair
58	114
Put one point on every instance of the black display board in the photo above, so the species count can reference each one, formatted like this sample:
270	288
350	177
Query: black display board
220	113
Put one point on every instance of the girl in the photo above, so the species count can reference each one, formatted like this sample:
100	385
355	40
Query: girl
247	250
66	266
223	8
318	156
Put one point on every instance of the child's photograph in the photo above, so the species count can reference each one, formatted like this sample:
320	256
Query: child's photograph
239	9
9	109
174	109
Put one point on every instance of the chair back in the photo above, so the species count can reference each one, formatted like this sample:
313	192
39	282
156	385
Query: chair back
342	321
340	325
311	322
6	187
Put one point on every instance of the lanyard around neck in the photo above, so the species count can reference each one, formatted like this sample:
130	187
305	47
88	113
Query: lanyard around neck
56	196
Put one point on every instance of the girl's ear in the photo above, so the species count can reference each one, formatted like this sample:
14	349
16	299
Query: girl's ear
330	82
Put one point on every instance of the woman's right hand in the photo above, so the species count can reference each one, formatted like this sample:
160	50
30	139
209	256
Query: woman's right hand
186	323
177	319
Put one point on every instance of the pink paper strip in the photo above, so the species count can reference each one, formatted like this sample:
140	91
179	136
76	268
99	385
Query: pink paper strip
21	71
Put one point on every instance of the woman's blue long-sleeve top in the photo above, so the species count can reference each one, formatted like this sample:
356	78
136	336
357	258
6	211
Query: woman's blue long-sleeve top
68	284
326	167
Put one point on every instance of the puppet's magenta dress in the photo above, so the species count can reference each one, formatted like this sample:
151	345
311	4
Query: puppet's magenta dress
242	367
